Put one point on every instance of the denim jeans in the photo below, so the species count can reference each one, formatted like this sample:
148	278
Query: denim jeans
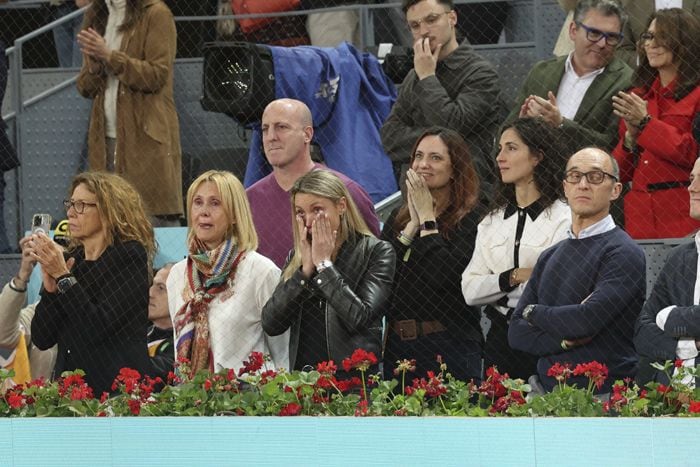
64	36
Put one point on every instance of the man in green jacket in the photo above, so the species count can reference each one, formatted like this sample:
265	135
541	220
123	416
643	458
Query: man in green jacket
575	92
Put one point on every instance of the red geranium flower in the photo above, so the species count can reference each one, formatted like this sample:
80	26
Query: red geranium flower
255	362
15	400
359	360
290	409
596	372
560	372
327	368
694	407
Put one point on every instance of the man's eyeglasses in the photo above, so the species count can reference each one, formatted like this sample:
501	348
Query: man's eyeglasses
594	177
429	21
79	206
595	35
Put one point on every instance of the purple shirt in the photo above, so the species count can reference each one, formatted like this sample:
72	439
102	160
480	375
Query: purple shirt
272	214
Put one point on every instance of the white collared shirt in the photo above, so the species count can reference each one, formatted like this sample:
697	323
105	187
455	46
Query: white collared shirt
661	4
686	349
573	88
606	224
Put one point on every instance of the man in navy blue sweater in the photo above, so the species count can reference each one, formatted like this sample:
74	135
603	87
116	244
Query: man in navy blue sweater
585	292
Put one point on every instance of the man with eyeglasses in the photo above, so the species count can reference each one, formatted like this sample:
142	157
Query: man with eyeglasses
450	86
574	92
585	292
639	12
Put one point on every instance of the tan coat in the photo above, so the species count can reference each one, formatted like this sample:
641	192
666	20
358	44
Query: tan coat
148	134
15	320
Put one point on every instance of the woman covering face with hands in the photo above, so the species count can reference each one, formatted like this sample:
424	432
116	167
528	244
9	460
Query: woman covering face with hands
95	297
657	150
433	235
336	286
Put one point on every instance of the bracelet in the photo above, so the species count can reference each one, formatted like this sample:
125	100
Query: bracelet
404	239
564	345
13	286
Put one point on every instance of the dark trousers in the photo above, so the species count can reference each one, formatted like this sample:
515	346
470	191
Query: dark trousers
462	356
498	353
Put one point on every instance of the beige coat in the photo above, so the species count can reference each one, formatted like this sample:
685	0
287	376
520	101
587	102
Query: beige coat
15	320
148	134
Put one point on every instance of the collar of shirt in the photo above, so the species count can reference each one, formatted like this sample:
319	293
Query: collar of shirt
569	69
533	210
606	224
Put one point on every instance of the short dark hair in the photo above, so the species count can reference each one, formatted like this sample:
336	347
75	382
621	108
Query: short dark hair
406	4
606	7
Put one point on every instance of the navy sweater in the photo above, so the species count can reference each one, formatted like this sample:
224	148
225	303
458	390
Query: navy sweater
592	287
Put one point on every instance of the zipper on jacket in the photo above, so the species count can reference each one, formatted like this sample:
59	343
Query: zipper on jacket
328	334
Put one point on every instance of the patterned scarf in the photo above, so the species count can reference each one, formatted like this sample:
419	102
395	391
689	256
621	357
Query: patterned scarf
208	273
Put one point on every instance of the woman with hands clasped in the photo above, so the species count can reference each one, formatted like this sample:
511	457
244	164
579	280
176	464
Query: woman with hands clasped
336	286
527	216
128	59
656	151
433	235
94	299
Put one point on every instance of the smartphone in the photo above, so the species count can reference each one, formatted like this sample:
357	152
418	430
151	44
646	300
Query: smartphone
41	223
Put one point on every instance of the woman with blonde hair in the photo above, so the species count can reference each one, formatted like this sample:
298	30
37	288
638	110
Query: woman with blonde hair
94	299
336	287
217	293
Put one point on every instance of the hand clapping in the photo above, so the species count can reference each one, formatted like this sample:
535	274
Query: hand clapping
93	45
631	108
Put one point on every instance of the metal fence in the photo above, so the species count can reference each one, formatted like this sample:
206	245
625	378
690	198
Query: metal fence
48	123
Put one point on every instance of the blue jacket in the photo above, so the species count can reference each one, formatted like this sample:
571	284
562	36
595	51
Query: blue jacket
349	97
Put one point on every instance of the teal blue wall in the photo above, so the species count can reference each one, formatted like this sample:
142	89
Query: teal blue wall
305	441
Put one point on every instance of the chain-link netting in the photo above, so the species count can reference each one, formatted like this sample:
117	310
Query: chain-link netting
477	267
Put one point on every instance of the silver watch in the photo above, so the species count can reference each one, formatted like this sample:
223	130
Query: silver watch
323	265
527	312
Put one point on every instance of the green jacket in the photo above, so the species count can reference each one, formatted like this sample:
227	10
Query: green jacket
594	123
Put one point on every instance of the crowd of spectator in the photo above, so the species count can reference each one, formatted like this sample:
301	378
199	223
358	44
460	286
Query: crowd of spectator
504	254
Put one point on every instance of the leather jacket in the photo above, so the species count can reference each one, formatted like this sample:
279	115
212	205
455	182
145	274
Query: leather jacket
356	291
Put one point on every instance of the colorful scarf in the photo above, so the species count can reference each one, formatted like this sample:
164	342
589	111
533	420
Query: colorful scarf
208	273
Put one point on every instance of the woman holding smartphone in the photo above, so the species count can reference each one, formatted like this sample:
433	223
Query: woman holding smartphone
94	300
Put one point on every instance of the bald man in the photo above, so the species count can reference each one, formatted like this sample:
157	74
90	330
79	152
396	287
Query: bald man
585	292
287	131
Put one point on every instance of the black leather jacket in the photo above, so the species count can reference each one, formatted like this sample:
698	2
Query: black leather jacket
356	291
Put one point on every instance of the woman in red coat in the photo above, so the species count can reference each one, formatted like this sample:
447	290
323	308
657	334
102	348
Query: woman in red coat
656	149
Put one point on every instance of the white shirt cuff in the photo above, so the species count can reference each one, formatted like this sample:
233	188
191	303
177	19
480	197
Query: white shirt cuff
662	316
686	349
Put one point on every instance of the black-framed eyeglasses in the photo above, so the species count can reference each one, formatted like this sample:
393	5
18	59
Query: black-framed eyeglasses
595	35
430	20
594	177
79	205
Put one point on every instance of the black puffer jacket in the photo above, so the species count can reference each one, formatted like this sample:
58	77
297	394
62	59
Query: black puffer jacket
355	291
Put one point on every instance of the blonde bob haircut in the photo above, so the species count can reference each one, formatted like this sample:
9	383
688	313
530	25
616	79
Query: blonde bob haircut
121	210
236	206
325	184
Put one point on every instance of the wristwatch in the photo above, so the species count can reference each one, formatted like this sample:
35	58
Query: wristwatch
527	312
64	283
323	265
643	122
429	225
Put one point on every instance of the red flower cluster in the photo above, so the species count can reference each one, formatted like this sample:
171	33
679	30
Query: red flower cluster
493	387
74	387
560	372
502	403
290	409
596	372
433	386
362	409
255	362
359	360
139	390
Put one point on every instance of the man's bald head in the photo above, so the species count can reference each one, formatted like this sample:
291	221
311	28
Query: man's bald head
287	130
292	107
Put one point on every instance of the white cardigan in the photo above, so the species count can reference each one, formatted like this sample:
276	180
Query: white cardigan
235	328
495	245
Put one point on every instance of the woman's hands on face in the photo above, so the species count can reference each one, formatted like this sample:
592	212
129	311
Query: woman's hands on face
93	45
323	239
307	264
419	197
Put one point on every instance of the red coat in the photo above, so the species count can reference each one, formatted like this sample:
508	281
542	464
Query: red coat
658	204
